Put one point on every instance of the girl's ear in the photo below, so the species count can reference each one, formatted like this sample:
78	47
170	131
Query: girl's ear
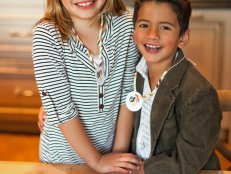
184	39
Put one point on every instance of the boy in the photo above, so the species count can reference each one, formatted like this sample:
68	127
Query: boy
177	127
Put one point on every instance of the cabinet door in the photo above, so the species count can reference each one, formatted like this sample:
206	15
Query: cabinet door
205	49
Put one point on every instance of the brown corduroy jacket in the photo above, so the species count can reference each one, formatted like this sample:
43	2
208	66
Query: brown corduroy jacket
185	122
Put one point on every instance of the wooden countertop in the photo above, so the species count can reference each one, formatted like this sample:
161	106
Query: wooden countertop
8	167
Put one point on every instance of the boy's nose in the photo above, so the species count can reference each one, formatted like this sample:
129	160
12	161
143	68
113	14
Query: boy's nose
153	34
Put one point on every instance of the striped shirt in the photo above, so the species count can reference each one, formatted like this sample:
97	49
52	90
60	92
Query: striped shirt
66	81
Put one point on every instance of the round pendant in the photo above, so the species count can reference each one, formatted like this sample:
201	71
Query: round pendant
100	78
134	101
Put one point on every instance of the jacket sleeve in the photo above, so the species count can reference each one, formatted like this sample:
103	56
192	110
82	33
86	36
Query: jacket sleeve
199	126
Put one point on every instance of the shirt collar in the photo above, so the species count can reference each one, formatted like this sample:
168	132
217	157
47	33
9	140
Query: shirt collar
142	67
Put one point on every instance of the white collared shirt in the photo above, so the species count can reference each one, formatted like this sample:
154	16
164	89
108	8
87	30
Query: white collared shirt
143	143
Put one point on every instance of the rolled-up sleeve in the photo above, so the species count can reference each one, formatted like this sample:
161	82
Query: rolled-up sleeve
130	64
51	77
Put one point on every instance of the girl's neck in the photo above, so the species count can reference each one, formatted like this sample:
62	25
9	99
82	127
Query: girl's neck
88	31
82	27
155	71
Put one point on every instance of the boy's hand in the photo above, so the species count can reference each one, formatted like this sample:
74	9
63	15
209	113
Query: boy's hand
118	162
41	118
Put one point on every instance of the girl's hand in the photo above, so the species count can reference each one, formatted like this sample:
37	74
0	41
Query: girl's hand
141	170
41	118
118	162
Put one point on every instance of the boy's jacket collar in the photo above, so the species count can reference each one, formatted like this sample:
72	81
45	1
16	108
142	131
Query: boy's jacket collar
171	79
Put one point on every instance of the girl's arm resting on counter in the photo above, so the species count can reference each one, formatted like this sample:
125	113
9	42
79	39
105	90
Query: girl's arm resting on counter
80	142
78	139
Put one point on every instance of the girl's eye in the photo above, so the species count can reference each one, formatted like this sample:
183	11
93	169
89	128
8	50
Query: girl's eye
165	28
143	26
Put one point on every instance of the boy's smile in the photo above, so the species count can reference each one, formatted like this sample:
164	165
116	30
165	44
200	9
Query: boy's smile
157	32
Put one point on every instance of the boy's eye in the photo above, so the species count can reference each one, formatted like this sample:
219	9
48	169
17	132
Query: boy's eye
143	25
165	28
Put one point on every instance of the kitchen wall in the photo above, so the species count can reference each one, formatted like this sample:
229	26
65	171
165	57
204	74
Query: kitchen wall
19	98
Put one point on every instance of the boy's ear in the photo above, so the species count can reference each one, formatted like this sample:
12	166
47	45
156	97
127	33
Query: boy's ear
184	39
134	37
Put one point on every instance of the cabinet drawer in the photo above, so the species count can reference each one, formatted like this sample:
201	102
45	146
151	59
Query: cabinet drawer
19	92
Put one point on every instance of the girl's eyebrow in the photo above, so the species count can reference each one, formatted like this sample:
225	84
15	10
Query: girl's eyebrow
145	20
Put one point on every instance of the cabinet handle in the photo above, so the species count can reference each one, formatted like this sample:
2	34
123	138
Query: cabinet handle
17	91
21	34
28	93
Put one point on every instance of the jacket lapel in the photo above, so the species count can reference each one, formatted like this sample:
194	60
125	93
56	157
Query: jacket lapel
161	106
139	88
165	97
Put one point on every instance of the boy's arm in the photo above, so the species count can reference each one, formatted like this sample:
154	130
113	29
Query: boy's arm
123	130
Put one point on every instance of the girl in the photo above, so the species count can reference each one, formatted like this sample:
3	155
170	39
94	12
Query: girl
84	60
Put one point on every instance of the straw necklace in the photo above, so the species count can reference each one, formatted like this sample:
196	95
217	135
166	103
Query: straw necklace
134	100
100	72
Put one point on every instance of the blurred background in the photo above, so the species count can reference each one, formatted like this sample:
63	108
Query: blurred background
209	48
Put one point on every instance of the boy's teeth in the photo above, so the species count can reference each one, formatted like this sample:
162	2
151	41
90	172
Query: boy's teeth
152	46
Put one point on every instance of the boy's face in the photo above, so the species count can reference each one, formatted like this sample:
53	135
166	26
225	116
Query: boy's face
157	32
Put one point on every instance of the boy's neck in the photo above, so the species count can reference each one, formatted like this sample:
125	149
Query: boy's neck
155	71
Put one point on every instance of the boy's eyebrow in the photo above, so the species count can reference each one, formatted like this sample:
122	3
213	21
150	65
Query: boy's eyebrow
144	20
168	23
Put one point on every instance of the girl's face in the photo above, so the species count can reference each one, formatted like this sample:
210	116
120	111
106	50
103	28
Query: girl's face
83	9
157	32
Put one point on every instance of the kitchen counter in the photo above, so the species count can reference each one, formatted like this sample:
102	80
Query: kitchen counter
40	168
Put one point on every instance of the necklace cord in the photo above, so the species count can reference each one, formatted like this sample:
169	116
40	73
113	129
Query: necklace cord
159	81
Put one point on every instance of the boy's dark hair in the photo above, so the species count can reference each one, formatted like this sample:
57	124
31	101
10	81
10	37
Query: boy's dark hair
182	9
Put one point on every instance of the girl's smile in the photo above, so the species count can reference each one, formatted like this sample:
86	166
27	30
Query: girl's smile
86	4
83	9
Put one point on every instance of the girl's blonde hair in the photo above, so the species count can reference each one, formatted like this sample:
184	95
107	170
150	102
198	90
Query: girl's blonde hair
55	12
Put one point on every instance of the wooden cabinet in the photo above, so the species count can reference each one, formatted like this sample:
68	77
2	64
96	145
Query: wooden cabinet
205	48
209	48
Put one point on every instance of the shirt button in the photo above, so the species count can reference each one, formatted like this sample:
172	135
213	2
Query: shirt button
101	95
101	106
44	93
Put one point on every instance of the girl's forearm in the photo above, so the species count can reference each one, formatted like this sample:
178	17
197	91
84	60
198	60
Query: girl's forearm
123	130
75	134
